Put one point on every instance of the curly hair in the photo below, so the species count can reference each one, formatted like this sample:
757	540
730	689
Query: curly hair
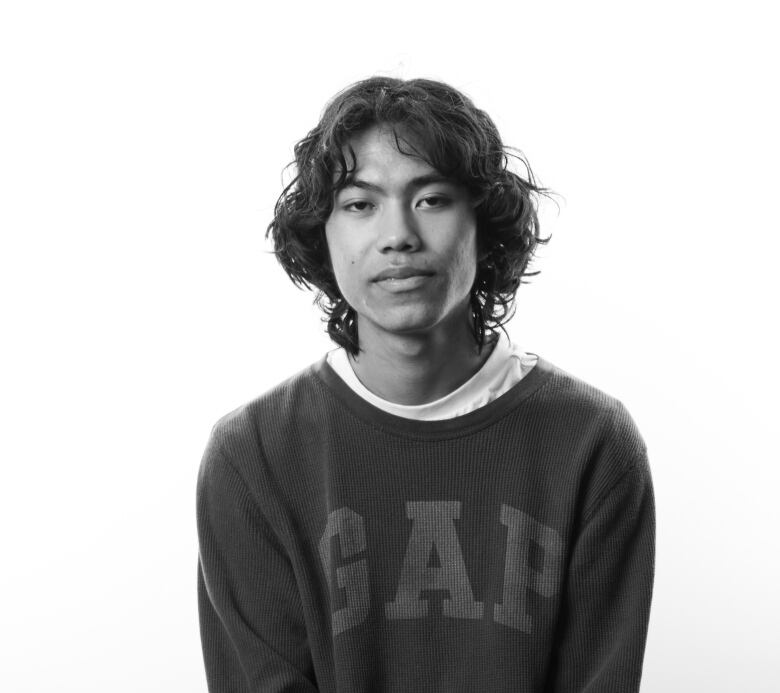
458	140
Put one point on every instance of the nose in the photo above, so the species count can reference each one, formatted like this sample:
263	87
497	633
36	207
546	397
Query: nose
398	230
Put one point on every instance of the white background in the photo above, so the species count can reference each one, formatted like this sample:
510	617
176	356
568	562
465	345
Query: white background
141	151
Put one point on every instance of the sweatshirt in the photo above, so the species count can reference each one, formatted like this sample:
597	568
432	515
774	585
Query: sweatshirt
346	549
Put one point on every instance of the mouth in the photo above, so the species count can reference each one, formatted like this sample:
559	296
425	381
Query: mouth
395	274
407	282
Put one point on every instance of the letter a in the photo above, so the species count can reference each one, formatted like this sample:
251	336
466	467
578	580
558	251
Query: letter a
348	526
433	526
519	576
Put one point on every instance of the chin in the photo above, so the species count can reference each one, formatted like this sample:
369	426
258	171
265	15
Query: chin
409	321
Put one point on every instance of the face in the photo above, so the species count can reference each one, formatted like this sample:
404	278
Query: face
402	242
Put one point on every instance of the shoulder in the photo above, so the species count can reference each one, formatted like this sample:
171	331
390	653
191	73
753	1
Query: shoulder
596	424
240	431
566	389
581	404
242	457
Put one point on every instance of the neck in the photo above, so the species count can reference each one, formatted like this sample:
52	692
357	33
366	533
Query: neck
419	368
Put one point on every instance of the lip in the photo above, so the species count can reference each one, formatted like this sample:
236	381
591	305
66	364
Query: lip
401	272
402	285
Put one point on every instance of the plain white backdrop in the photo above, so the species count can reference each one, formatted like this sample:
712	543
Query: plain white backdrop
141	151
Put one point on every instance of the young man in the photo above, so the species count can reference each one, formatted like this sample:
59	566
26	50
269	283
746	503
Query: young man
427	508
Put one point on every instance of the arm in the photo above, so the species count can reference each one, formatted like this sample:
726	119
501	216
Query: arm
603	627
251	621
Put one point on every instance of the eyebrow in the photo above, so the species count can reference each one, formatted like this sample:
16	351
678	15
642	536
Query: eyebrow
416	182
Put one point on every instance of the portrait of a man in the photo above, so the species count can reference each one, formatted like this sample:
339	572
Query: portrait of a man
428	507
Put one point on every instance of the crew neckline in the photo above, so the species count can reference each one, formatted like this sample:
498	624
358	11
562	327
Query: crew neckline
469	395
454	427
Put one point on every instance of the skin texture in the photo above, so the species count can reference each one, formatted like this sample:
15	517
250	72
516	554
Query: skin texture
415	341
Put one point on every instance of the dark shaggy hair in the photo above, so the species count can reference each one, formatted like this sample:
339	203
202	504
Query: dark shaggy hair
455	138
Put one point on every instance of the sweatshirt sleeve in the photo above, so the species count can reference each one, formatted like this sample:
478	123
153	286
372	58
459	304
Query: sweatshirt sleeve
603	627
251	620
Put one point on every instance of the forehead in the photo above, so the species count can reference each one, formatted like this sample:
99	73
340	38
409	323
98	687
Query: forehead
386	153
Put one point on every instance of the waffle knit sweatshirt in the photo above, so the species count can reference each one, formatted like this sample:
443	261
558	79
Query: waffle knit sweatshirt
345	549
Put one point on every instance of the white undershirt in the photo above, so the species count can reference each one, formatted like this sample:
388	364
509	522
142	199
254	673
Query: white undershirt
506	366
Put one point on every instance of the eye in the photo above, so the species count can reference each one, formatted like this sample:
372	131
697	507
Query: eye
358	206
433	201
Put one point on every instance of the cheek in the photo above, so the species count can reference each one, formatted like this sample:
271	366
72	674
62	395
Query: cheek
342	262
466	258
